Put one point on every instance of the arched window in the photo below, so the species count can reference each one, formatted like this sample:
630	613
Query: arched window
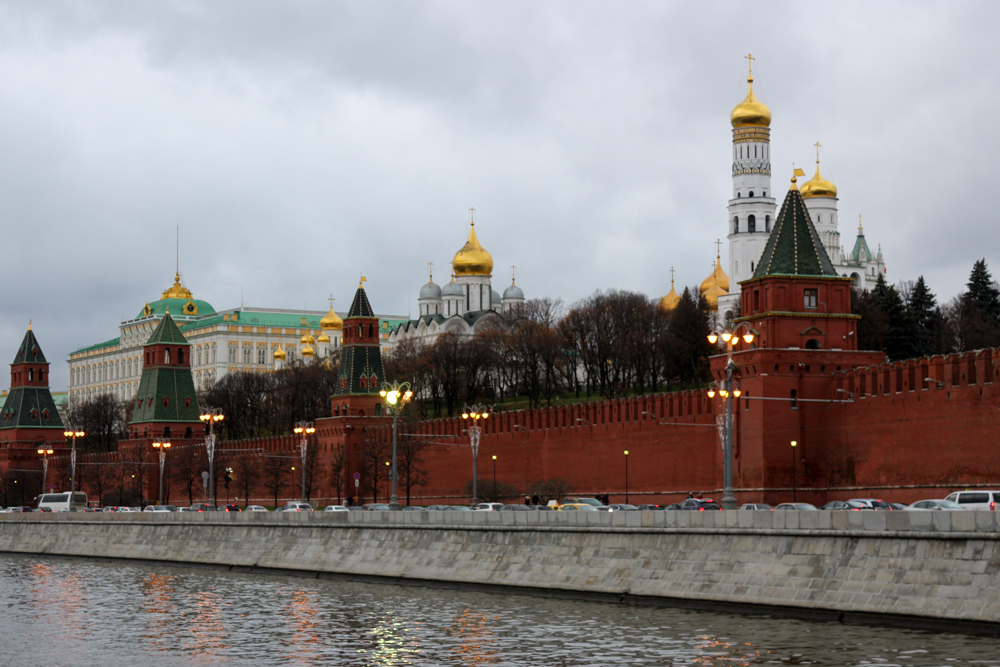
736	224
751	193
260	356
180	356
751	223
199	355
213	353
812	344
246	355
794	396
767	223
31	375
232	354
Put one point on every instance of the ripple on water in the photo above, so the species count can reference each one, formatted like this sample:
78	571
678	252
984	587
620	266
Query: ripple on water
82	613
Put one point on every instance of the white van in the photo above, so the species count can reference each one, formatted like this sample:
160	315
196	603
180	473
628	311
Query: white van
976	500
59	502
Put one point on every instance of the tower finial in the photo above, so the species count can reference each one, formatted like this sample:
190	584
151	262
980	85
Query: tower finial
750	60
178	253
795	174
671	277
361	283
331	300
472	216
430	270
513	274
818	146
860	228
29	324
718	250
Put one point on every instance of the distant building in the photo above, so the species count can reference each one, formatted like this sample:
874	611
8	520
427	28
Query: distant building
238	339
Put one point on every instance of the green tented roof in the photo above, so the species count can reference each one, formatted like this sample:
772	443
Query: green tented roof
360	306
30	351
794	247
166	332
30	406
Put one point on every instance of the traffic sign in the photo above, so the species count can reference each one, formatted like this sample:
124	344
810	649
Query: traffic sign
357	476
357	483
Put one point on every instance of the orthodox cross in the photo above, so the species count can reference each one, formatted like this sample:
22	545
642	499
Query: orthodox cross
472	215
750	60
430	269
671	277
718	248
331	300
859	222
818	146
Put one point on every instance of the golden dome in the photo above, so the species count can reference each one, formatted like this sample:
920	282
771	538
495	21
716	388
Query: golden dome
670	301
750	112
717	279
323	338
331	321
818	186
472	259
307	351
712	295
177	291
279	353
307	339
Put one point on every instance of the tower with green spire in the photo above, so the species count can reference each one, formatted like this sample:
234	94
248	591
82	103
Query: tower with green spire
165	404
361	372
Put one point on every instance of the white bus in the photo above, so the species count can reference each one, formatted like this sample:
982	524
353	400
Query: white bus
59	502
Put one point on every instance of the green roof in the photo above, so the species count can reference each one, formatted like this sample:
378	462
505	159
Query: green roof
30	351
794	247
177	307
110	343
360	307
861	252
167	333
30	406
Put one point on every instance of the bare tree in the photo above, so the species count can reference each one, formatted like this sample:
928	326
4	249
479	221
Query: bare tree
338	464
249	467
409	464
274	474
374	454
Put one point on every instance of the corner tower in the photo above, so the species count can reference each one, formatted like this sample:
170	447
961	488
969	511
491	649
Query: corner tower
751	209
29	413
361	372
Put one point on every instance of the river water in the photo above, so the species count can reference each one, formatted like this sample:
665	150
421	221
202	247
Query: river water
72	612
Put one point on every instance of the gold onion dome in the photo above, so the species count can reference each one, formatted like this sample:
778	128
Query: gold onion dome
670	301
307	339
323	338
472	259
712	297
818	186
718	279
279	353
307	351
751	112
331	321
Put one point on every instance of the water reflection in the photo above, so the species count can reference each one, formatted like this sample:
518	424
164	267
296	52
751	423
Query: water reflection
81	613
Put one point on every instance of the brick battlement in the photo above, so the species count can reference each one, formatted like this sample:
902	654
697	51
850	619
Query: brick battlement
938	372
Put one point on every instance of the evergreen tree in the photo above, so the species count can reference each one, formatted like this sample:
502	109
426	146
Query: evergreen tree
885	322
689	326
926	319
979	311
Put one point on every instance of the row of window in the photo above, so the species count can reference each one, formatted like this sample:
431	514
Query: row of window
751	223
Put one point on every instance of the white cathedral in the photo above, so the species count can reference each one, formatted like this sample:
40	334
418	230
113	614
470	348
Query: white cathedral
752	212
465	303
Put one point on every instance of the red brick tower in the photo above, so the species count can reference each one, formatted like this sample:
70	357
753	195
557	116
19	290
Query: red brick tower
799	309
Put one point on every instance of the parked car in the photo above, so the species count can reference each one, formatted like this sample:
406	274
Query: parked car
124	509
414	508
697	504
256	508
577	507
457	508
796	506
874	503
755	506
377	507
855	505
231	508
935	505
296	506
575	500
975	500
183	509
158	508
657	507
18	510
618	507
436	507
335	508
517	508
488	507
898	506
543	508
202	507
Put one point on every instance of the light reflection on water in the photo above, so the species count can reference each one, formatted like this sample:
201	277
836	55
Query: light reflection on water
66	612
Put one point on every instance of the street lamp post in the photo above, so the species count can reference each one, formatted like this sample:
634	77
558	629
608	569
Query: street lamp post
730	338
72	466
794	498
45	453
626	477
475	413
304	429
496	497
211	416
396	396
161	447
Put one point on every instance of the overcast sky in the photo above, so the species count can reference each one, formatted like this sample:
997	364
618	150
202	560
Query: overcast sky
299	145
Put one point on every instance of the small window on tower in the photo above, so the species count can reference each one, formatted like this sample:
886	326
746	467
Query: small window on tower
751	193
810	298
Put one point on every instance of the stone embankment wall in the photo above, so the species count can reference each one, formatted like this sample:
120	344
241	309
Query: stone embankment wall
934	569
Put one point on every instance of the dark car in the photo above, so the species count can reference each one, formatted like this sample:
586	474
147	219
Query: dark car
232	508
698	505
796	506
618	507
755	506
542	508
654	507
516	508
202	507
845	505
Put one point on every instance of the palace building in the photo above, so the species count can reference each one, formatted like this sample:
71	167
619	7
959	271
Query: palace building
238	339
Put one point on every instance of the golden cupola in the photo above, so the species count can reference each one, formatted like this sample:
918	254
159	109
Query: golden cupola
177	291
751	112
279	354
472	259
670	301
307	339
323	338
716	285
331	321
818	186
